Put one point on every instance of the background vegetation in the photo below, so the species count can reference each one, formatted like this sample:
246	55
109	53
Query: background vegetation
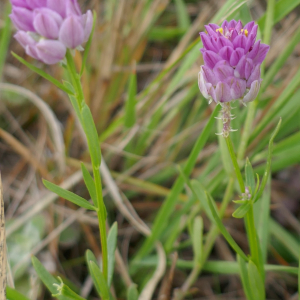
141	85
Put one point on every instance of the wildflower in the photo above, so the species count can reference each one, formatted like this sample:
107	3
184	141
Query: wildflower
232	60
47	28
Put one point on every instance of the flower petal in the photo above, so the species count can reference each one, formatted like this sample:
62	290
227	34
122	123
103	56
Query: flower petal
71	32
51	52
253	92
211	58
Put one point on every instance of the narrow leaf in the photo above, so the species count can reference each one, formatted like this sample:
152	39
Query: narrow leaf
132	293
268	165
244	277
256	282
12	294
183	17
197	239
99	281
168	206
90	257
111	248
130	117
242	210
92	136
68	195
46	277
90	183
223	230
43	74
250	178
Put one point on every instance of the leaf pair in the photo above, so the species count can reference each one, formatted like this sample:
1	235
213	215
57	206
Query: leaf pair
100	283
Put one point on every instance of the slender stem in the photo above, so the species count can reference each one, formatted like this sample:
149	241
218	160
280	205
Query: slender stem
101	211
235	164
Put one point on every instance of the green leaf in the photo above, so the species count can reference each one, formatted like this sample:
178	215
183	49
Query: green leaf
256	282
68	195
12	294
168	206
88	44
5	36
244	277
43	74
223	230
250	178
46	277
197	239
242	210
132	292
183	17
111	248
92	136
130	117
90	183
282	8
285	237
268	165
99	280
90	257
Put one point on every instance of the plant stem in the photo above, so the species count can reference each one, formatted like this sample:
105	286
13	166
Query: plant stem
101	210
235	164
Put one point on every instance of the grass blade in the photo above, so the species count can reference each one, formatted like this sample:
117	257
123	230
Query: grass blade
244	277
12	294
130	117
169	204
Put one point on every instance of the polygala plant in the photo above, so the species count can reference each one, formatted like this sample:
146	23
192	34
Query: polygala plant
50	31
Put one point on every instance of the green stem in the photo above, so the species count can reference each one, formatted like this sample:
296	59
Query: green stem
235	164
101	211
101	214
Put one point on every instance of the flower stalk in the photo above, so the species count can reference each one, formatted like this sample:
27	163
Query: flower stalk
101	210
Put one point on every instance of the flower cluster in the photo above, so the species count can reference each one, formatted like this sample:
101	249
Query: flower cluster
232	60
47	28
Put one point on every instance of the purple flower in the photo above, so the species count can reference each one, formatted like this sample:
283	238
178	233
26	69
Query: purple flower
232	59
47	28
